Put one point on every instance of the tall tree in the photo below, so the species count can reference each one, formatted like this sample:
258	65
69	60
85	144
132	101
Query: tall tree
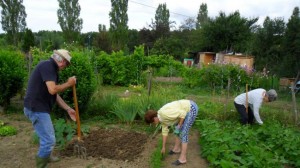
267	45
102	41
228	33
162	23
28	40
68	19
292	45
202	17
146	37
13	19
118	24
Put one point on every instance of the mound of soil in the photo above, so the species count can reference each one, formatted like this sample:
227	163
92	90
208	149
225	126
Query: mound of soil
113	144
106	148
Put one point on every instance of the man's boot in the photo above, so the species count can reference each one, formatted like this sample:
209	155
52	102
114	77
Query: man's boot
53	158
41	162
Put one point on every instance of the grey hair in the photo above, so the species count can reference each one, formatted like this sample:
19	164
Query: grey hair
57	57
272	95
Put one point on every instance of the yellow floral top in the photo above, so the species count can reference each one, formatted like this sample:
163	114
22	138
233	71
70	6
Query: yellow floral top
171	112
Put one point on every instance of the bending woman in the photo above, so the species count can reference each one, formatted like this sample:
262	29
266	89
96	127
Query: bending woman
181	113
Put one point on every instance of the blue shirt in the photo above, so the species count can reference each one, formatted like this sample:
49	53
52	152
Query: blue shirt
37	96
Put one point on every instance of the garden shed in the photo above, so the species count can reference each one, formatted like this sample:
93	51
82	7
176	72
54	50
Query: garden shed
242	60
188	62
206	58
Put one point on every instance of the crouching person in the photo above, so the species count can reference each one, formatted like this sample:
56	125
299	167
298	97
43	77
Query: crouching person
182	113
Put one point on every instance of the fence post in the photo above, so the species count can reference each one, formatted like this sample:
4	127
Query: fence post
294	102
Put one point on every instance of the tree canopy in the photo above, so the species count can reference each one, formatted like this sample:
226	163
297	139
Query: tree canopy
68	19
13	19
118	23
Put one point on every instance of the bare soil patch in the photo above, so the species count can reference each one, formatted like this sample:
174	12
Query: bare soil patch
113	144
106	148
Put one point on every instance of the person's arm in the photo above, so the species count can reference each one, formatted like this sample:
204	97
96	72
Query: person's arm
256	106
64	106
164	132
164	141
54	89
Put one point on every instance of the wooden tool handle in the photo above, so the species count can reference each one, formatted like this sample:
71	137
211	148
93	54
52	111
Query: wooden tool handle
77	113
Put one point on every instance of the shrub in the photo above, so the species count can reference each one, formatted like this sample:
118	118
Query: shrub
8	130
82	68
85	85
12	75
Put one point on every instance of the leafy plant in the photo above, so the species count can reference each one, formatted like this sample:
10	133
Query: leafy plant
35	138
126	109
12	75
232	145
64	132
7	130
101	104
156	156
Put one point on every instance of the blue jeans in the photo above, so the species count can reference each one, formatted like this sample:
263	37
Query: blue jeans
43	126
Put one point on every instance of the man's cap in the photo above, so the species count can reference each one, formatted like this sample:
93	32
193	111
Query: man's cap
272	95
64	53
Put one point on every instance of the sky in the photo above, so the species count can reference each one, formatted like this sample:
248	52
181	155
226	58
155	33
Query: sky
42	14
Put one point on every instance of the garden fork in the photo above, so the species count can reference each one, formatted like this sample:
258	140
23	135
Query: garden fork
79	149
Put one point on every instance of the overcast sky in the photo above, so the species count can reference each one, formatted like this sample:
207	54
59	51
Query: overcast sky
42	14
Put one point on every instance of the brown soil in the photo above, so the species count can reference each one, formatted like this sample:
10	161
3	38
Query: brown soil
106	148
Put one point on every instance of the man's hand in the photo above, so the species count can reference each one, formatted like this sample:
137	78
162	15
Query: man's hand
72	114
72	81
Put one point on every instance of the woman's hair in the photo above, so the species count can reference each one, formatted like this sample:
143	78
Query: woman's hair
149	116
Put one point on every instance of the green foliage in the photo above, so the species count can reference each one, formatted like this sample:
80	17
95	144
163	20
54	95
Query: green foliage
28	40
267	45
12	75
202	16
192	77
169	46
127	109
64	132
13	19
133	107
156	156
232	145
162	23
118	24
266	82
85	84
49	40
37	56
68	19
233	29
217	76
35	138
118	69
291	46
101	104
7	130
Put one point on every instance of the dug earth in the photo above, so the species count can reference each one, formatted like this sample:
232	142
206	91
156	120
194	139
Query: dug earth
105	148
